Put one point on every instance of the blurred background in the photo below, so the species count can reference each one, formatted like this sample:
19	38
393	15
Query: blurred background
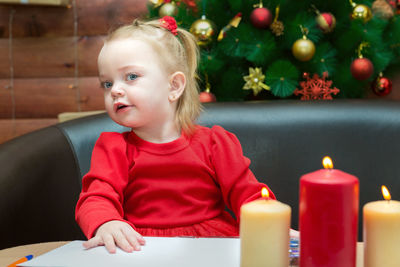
250	50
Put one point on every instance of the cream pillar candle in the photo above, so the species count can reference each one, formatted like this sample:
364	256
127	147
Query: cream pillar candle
382	232
264	233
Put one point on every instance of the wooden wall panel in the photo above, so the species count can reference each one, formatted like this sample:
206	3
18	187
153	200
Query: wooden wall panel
50	56
5	99
91	94
88	51
43	59
12	128
95	17
47	97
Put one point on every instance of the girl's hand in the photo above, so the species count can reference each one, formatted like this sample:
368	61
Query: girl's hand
114	233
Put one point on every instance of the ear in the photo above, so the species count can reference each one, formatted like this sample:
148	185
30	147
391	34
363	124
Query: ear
177	85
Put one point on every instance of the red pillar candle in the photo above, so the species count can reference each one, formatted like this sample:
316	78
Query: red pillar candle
328	218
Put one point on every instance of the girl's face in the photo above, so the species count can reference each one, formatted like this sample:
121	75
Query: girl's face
136	85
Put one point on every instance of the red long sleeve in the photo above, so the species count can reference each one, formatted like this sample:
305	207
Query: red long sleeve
176	184
102	188
238	183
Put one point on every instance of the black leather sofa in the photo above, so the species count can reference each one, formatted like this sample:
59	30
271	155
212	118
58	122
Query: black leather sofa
41	171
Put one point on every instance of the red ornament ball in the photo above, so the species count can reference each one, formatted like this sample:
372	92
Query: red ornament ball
382	86
261	17
326	22
206	97
396	5
361	68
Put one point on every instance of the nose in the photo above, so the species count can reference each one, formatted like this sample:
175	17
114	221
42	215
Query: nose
117	90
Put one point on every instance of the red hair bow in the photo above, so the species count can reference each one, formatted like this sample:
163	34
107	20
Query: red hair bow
169	23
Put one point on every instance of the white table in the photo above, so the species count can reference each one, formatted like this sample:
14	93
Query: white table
157	252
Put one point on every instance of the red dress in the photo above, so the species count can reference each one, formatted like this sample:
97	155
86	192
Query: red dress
178	188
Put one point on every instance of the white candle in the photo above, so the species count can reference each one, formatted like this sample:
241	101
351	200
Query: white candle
264	233
382	232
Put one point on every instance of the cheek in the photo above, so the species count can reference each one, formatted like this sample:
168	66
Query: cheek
108	102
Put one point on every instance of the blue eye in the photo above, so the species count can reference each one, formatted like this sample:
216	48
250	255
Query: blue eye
131	77
106	85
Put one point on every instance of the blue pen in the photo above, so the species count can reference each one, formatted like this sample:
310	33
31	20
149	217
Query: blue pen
24	259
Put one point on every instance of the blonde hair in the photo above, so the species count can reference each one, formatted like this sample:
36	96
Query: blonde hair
177	53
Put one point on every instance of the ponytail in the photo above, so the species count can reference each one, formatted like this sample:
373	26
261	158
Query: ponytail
189	106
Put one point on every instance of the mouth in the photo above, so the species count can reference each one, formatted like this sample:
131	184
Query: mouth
120	107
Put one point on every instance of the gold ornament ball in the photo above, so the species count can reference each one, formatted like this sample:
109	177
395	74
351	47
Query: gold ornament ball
303	49
156	3
203	29
362	12
168	9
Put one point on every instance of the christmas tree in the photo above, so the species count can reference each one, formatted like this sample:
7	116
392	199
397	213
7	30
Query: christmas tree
291	49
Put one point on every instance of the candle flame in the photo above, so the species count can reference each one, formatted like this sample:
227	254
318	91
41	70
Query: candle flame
327	163
264	192
385	193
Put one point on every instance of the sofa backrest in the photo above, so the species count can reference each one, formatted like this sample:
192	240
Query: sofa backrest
286	139
39	187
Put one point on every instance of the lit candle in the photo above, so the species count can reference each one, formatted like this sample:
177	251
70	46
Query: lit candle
328	217
382	232
264	233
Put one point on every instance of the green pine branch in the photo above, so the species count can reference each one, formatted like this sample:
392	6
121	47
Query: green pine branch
226	62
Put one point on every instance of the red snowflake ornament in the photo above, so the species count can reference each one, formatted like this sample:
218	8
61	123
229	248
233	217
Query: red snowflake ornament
316	88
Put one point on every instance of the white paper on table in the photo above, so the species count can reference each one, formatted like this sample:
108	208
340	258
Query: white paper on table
158	252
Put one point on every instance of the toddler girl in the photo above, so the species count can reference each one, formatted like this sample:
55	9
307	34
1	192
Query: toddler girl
167	176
